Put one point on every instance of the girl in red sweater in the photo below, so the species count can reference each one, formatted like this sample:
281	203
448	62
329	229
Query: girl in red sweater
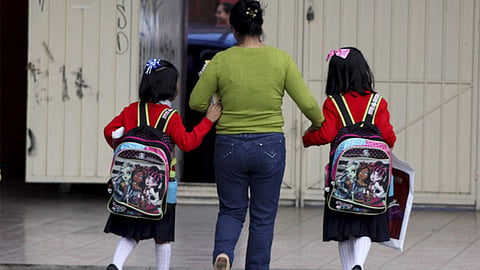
158	88
350	76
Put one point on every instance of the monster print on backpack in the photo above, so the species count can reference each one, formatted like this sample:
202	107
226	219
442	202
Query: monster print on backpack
141	168
359	171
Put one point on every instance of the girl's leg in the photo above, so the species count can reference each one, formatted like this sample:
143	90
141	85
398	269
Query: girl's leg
345	249
163	250
124	248
361	247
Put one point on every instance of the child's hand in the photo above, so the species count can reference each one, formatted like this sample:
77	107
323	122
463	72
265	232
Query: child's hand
214	112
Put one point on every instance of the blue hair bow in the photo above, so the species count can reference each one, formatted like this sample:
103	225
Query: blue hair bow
151	65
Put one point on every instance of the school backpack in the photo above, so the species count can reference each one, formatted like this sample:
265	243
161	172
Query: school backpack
360	165
140	169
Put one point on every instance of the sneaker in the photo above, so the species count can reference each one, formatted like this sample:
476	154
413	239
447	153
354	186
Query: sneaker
357	267
222	262
112	267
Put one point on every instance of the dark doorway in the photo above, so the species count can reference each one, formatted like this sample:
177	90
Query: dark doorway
204	40
13	87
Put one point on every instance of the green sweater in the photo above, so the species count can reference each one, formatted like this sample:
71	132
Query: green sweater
251	83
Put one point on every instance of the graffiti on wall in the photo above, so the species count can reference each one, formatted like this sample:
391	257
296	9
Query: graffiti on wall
158	28
123	42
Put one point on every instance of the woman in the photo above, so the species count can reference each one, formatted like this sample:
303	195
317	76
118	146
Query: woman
222	13
250	79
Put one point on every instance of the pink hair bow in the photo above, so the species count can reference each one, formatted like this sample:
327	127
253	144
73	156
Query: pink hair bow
342	53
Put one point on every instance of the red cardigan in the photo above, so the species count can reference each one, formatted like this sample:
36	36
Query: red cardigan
187	141
333	122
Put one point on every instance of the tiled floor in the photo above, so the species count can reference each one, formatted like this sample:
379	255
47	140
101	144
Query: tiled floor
42	228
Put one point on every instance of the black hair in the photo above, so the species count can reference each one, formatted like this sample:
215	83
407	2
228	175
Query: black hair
227	7
246	17
351	74
158	84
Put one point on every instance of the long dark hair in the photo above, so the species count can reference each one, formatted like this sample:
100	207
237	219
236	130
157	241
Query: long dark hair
158	83
246	17
352	74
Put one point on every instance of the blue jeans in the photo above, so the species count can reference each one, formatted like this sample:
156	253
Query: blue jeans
243	162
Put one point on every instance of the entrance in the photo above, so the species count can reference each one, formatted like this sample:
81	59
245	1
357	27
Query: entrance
13	89
205	38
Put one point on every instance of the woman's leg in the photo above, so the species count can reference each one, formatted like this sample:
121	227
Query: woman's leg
232	190
266	165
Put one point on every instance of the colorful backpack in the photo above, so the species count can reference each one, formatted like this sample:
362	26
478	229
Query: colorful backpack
360	166
140	169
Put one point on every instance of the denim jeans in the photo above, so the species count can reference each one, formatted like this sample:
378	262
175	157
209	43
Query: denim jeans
249	170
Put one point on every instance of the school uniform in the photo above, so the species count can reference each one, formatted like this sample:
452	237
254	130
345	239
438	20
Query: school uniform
164	229
342	226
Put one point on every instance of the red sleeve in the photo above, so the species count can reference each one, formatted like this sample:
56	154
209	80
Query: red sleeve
117	122
187	141
329	129
382	122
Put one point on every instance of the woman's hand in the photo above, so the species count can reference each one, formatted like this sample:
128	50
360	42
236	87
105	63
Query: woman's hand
214	112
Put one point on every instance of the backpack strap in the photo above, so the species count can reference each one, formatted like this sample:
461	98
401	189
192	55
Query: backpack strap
346	115
164	118
371	111
142	118
162	121
342	108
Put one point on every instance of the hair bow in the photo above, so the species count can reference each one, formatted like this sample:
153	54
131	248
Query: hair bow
151	65
342	53
251	13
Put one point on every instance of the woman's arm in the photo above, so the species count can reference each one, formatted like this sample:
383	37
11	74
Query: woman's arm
205	88
301	95
330	127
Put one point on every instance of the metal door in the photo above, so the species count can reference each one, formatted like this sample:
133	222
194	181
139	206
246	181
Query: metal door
424	55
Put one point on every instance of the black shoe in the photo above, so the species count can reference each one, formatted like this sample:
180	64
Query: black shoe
112	267
357	267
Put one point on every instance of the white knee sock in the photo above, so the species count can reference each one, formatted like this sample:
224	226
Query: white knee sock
124	248
163	252
361	247
345	249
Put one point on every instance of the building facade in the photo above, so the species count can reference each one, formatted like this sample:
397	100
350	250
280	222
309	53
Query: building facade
85	56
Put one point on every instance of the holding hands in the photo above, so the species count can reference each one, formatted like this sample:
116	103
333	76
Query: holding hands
214	111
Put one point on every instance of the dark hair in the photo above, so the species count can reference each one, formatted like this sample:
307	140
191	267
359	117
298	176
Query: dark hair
351	74
159	84
227	7
246	17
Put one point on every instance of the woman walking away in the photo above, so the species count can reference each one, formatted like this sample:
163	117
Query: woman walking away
250	80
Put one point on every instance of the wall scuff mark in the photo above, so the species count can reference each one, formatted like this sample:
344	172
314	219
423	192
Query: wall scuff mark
33	71
80	83
41	3
65	96
47	50
33	142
